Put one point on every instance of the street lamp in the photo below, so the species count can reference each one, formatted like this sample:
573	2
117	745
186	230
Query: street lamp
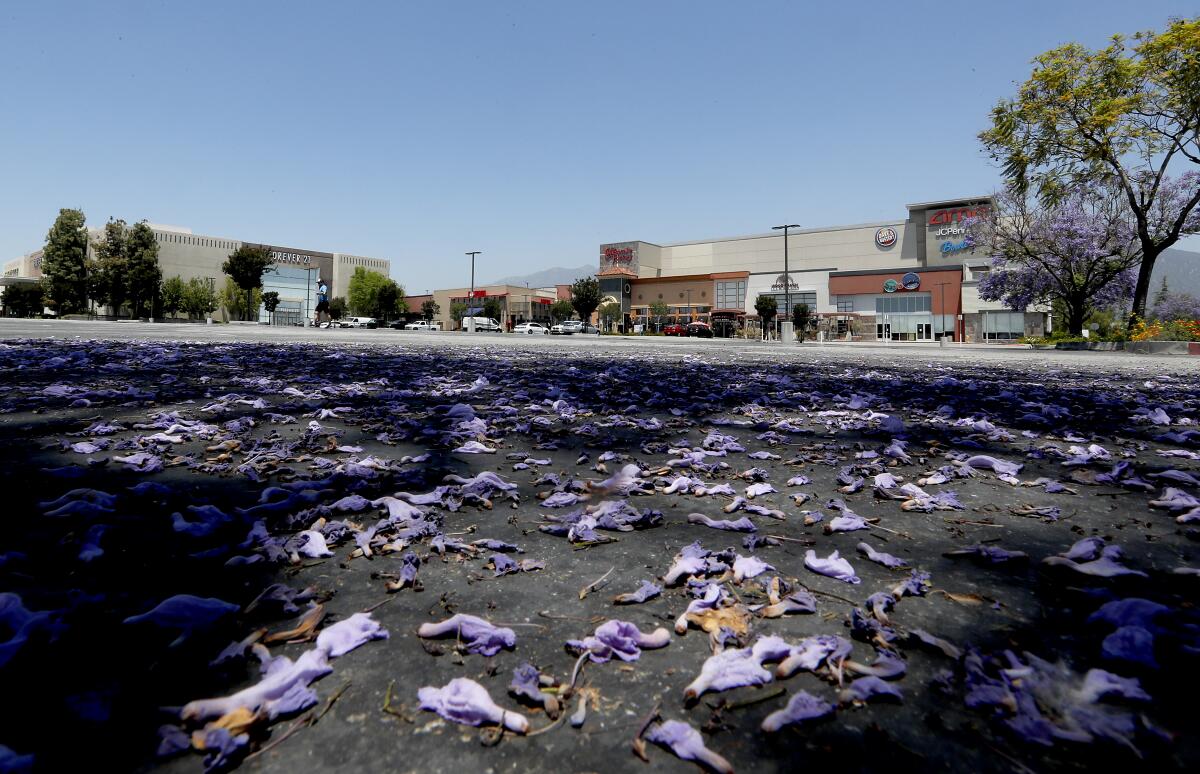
471	298
943	285
787	277
689	313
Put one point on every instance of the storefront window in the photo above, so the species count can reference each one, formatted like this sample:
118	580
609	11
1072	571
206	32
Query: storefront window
731	294
797	298
1003	325
902	304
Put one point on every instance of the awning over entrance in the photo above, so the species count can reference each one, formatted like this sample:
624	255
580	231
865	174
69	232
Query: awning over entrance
474	311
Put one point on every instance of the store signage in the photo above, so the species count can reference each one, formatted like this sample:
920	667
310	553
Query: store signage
957	215
955	247
886	236
950	231
911	281
281	257
480	294
784	282
617	255
890	286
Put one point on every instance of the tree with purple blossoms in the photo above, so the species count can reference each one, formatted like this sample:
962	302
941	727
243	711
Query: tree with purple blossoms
1081	252
1128	114
1175	306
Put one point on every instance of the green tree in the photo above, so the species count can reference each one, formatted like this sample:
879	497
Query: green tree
430	309
64	263
389	300
457	310
234	302
611	312
24	299
108	270
801	318
270	301
363	291
172	295
585	297
337	308
658	310
199	298
144	276
1122	115
561	310
767	309
492	308
245	267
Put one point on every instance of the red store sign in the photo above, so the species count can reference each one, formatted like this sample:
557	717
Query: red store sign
618	254
958	215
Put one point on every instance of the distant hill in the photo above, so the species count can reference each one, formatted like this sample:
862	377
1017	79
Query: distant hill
1182	270
548	277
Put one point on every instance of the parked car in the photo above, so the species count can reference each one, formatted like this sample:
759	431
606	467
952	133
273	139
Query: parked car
481	324
675	329
423	325
360	322
567	327
589	328
530	328
700	330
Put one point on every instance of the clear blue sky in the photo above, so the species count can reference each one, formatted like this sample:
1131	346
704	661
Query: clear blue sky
532	131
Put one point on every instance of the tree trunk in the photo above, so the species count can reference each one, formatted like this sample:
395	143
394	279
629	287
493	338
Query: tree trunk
1142	290
249	301
1076	313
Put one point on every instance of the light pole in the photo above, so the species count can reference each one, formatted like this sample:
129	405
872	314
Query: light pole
943	285
689	313
471	298
787	277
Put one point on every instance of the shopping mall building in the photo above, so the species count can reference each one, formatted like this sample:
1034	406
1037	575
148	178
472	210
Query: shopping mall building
903	280
186	255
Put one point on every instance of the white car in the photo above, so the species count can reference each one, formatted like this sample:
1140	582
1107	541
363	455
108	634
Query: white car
530	328
423	325
359	322
567	327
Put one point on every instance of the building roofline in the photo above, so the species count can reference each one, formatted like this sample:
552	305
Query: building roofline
939	203
791	232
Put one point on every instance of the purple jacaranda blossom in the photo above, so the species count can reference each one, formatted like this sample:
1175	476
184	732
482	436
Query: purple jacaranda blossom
223	750
172	740
1099	684
22	623
496	545
344	636
759	489
1132	644
832	566
886	666
814	651
691	560
526	684
865	689
879	604
741	525
711	596
645	591
283	689
627	481
350	504
141	462
502	565
937	643
1188	517
801	706
1085	550
1173	499
796	602
1176	477
734	668
1131	611
474	447
748	567
984	462
879	557
467	702
621	639
1106	566
846	522
989	554
281	598
185	613
312	544
686	742
398	510
753	541
799	481
479	635
103	501
235	651
561	500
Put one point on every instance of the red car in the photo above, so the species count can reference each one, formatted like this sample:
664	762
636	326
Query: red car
675	329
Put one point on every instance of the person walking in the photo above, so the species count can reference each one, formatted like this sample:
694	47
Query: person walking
322	302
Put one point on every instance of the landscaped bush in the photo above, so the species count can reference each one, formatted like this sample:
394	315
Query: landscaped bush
1175	330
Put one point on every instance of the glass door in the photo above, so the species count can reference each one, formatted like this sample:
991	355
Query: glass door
925	331
883	331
